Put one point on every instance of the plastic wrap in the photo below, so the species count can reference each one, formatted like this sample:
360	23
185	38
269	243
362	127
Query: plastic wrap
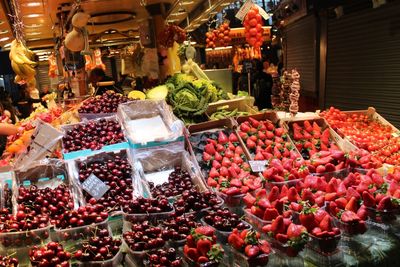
157	164
88	152
140	187
43	142
45	173
150	123
6	183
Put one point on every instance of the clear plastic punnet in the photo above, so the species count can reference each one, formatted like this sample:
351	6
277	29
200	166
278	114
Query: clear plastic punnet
150	124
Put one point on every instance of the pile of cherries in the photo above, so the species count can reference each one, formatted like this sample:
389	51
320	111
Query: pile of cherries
52	254
116	173
93	135
24	220
143	205
193	200
101	247
106	103
46	201
178	181
163	257
144	236
8	261
178	228
84	215
224	220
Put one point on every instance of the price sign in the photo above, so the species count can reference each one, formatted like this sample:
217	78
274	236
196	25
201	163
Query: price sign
95	187
262	12
244	10
396	134
258	165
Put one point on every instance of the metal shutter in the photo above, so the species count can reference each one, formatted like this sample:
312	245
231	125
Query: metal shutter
301	51
42	76
107	62
363	61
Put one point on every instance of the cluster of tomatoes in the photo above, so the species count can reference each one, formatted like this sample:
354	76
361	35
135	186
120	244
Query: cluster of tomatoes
219	37
253	25
371	135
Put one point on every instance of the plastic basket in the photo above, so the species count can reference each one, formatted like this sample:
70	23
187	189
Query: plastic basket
114	262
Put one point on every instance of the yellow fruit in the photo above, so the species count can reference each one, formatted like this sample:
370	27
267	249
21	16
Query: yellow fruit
137	95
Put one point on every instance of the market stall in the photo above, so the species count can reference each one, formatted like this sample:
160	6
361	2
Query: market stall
185	173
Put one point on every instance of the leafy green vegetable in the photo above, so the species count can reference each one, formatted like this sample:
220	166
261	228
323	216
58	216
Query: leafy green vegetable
159	92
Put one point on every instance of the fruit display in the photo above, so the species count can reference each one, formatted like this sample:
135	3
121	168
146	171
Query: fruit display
171	34
365	133
46	201
222	113
266	140
98	248
222	219
105	103
85	215
219	37
230	173
115	172
143	236
309	138
93	135
288	237
201	247
24	220
294	93
8	261
51	255
253	25
193	201
163	257
250	245
143	205
177	229
178	181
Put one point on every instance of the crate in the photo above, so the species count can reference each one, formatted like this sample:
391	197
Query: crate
373	116
242	105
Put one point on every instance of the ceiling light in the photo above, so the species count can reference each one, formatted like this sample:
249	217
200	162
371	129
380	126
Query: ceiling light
34	33
1	22
4	39
32	4
204	20
225	4
3	31
7	45
29	26
187	3
32	15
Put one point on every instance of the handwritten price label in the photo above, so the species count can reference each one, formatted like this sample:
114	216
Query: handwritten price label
244	10
258	165
95	187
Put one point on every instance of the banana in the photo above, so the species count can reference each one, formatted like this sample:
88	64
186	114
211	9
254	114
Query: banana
19	53
16	68
18	79
27	71
14	54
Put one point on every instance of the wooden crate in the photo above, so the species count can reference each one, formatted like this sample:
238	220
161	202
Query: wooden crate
373	116
239	103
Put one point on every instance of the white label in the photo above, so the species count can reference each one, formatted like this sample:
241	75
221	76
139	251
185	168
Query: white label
396	134
95	187
244	10
263	13
258	165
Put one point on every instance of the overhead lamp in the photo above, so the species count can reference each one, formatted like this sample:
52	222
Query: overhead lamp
7	45
34	15
1	22
34	25
32	4
3	31
187	3
4	39
34	33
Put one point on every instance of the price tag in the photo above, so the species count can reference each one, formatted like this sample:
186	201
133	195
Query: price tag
244	10
95	187
396	134
263	13
258	165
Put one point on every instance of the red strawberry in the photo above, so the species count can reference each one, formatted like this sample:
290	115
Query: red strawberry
279	132
283	238
250	144
212	141
216	164
191	253
320	214
257	211
273	194
210	149
220	148
252	251
244	127
264	246
368	199
278	226
316	130
263	203
295	206
233	138
307	195
341	202
261	135
349	217
255	123
320	169
205	230
293	196
307	126
206	157
249	200
231	191
222	138
203	259
259	156
226	162
237	159
351	192
270	214
236	241
352	205
307	219
326	224
190	241
295	231
362	212
211	182
213	173
203	246
224	171
229	154
385	204
238	150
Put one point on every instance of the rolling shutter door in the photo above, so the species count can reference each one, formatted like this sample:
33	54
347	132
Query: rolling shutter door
301	52
42	76
363	61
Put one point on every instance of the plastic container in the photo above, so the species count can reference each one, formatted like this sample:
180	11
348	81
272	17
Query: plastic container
384	216
341	174
324	245
18	244
70	237
234	203
136	257
284	248
128	219
255	221
222	236
239	259
115	223
318	259
114	262
200	213
191	263
288	183
349	229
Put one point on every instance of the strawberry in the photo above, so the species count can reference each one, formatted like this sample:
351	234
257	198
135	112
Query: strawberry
226	162
297	135
283	238
293	196
213	173
259	156
362	212
270	214
326	224
190	241
236	182
216	165
203	259
252	251
222	138
307	195
295	231
351	192
307	135
341	202
224	171
295	206
233	138
329	167
255	123
231	147
250	144
244	127
205	230
278	226
191	253
206	157
210	149
264	246
349	217
212	141
307	219
270	135
269	125
220	148
307	126
229	154
211	182
385	204
352	205
216	253
319	215
316	130
273	194
237	159
238	150
279	132
264	203
236	241
257	211
231	191
261	135
203	246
